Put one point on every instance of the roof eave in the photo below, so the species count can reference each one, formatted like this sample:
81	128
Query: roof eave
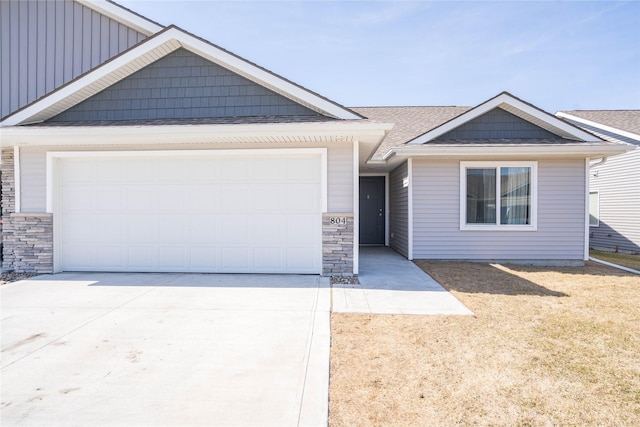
564	150
368	132
598	125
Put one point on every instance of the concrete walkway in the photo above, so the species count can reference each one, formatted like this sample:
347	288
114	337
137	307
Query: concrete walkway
390	284
165	349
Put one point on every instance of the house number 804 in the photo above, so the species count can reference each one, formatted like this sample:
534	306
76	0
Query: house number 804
337	220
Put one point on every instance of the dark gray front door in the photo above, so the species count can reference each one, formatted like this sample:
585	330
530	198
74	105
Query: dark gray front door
372	210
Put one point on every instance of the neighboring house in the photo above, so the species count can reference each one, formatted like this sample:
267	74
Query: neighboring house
614	189
144	148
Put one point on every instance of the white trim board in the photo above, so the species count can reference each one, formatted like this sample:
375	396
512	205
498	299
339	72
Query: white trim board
123	15
599	125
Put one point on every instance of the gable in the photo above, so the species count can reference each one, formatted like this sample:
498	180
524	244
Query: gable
46	44
498	124
182	85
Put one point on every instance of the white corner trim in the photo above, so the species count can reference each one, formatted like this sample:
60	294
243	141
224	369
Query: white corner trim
464	165
599	125
410	210
122	15
356	207
511	103
17	189
587	231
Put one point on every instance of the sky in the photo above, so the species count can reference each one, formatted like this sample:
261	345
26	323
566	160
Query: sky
557	55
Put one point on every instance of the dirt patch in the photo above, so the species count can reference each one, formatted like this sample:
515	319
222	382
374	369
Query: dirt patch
545	346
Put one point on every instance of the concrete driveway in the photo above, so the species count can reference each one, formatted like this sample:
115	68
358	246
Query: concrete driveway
165	349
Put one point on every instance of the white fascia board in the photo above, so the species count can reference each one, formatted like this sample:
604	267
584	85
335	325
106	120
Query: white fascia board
123	15
514	106
597	125
181	134
149	51
572	150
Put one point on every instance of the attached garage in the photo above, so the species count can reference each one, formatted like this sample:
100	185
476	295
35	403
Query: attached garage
215	211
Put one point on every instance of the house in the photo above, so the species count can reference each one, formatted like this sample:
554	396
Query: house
138	147
614	191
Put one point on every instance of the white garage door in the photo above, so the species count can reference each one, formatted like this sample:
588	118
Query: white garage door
213	213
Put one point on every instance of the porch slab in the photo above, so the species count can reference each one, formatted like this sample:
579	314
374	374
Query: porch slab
391	284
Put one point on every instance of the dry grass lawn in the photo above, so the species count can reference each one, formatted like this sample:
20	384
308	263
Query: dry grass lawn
629	261
546	346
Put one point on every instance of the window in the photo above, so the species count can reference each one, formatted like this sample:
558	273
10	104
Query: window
498	196
594	209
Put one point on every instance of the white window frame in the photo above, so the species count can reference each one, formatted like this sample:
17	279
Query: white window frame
597	193
464	226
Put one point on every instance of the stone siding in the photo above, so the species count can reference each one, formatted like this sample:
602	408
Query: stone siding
27	238
337	244
8	205
31	243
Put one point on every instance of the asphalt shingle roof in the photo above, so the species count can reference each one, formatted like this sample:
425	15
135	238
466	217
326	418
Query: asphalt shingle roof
627	120
410	122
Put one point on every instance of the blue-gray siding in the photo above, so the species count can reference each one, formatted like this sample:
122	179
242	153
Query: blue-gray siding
182	85
399	210
618	184
561	215
44	44
496	124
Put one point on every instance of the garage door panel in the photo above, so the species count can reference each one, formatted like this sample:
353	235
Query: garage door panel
142	229
142	258
79	199
172	198
141	170
78	172
200	214
78	229
112	229
302	169
172	258
235	198
108	199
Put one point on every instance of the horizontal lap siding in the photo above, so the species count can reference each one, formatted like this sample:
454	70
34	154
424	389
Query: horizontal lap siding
45	44
339	169
398	210
437	234
618	183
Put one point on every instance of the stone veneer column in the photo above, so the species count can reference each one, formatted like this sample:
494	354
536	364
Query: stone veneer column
8	206
337	244
27	238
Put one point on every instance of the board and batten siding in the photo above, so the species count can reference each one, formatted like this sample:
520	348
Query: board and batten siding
45	44
561	215
399	210
339	170
618	184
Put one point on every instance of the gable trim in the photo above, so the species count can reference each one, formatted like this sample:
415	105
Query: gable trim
517	107
598	125
152	49
123	15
